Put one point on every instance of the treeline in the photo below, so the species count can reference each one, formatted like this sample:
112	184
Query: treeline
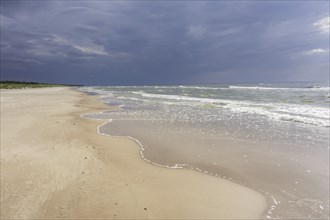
9	84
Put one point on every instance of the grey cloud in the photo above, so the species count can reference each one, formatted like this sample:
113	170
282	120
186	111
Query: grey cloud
112	42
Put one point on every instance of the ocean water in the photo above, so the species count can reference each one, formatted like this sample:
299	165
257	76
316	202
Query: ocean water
273	138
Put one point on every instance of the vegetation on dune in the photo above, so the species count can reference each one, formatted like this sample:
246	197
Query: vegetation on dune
23	84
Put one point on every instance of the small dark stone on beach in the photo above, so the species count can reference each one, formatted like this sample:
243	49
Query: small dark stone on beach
145	208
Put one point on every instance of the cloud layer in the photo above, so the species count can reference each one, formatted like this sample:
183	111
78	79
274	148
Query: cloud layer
146	42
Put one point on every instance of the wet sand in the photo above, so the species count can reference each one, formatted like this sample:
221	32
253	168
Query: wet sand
293	178
55	165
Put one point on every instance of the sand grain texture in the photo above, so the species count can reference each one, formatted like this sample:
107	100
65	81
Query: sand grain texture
55	165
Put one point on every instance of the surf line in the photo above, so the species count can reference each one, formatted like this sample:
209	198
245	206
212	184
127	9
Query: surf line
269	211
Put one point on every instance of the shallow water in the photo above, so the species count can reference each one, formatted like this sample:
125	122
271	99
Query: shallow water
273	138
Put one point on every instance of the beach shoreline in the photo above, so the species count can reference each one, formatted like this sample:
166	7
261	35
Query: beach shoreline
55	165
235	137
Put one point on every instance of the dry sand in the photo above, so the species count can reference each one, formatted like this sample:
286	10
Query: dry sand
55	165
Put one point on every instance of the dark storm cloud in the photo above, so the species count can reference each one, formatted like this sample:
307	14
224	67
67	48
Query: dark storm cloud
145	42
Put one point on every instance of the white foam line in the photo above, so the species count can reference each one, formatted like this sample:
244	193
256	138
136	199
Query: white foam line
178	166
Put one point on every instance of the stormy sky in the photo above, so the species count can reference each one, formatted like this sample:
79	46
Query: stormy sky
164	42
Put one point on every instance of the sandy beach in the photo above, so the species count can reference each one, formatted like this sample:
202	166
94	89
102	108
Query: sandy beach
55	165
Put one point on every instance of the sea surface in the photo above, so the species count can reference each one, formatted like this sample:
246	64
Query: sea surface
272	137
